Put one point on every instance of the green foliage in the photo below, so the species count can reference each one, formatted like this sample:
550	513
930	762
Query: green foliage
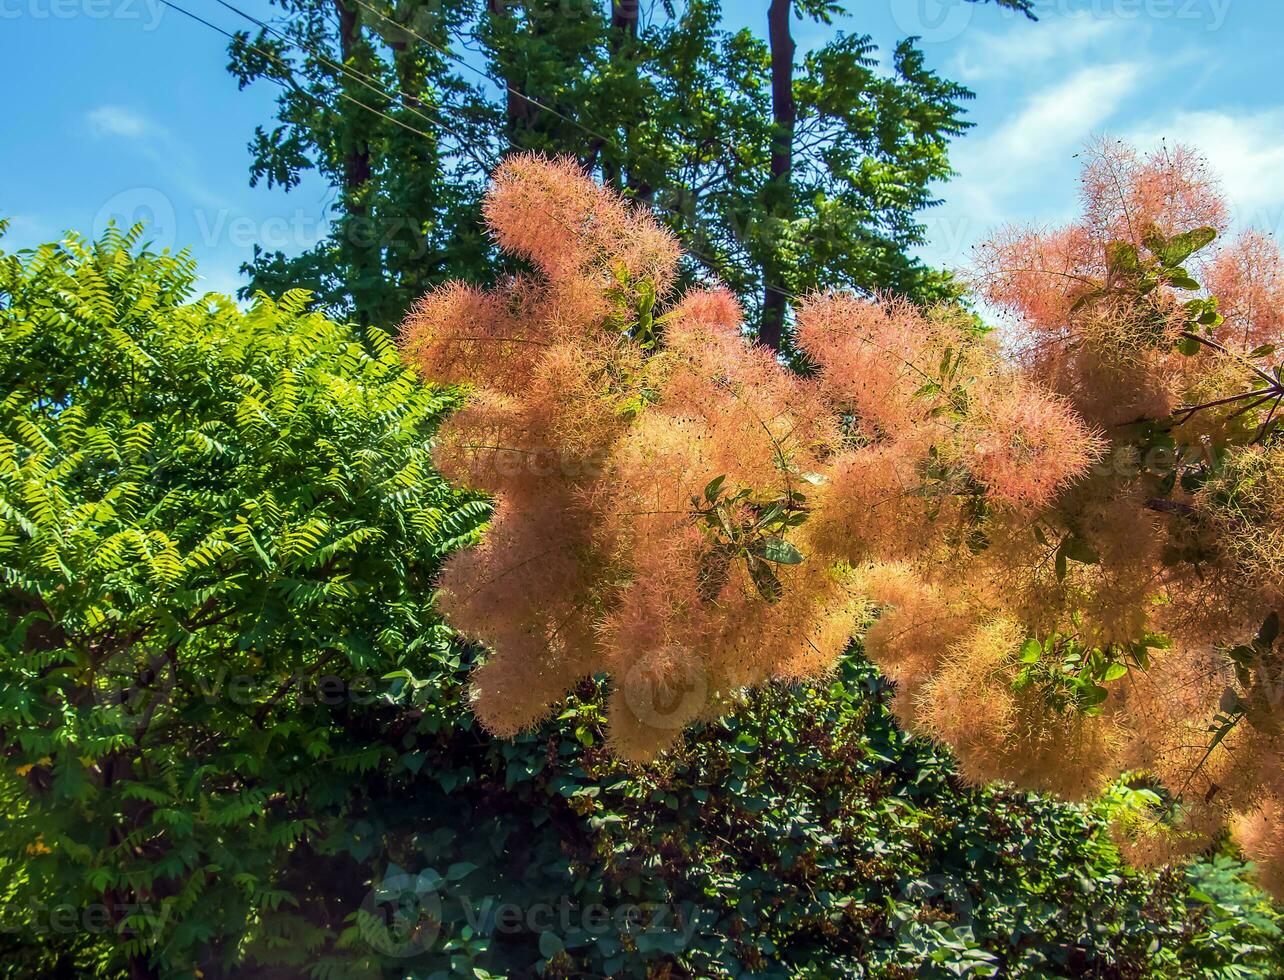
405	108
743	529
235	740
1132	280
1071	676
217	531
802	836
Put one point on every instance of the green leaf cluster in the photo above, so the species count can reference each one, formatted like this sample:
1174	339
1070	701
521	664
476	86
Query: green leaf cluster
218	531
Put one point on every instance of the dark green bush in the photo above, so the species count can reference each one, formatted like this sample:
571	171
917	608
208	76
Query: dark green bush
236	741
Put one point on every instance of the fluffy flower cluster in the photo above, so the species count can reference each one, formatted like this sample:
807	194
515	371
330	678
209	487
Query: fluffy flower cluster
1180	522
1014	512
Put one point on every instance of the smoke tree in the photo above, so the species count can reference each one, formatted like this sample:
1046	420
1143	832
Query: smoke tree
1058	538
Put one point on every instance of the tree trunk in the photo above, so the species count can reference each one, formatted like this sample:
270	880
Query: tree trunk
623	47
779	191
356	163
520	111
624	16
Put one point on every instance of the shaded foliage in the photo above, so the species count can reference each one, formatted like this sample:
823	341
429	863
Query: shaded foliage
217	528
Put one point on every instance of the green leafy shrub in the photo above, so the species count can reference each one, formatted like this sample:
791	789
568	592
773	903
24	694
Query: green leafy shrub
236	741
802	836
217	531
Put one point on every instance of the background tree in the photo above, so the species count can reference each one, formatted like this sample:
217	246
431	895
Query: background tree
382	114
778	176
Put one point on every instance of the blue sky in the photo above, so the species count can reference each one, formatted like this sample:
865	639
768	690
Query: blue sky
124	108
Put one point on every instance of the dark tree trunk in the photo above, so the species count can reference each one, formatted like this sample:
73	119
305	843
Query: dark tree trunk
624	16
779	191
623	47
521	112
356	163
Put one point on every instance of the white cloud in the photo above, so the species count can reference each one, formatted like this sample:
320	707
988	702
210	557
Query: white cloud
170	156
113	120
1052	121
1024	169
1245	150
1025	47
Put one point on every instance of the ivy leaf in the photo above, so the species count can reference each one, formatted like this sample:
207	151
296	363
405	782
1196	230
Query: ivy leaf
457	872
549	945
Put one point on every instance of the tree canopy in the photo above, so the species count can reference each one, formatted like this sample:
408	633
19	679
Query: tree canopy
780	173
